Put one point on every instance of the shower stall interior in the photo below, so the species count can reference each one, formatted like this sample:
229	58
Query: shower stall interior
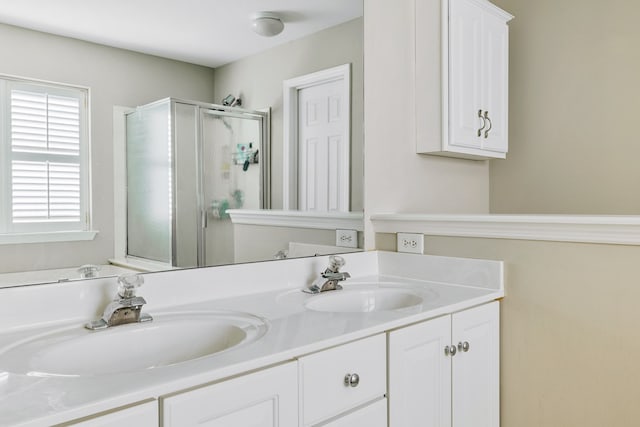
187	163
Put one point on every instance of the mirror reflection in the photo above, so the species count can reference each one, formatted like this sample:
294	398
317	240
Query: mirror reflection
188	164
251	199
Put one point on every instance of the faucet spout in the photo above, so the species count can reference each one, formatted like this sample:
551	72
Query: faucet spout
328	280
126	308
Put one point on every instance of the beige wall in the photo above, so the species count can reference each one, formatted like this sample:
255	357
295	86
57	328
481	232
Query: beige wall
116	77
574	102
397	179
258	80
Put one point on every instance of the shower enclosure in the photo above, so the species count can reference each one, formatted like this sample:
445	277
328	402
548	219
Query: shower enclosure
187	163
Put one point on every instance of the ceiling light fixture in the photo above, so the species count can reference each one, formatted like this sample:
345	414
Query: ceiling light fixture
267	24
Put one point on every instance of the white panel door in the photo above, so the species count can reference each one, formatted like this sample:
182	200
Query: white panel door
420	375
143	415
476	367
465	61
267	398
322	117
495	70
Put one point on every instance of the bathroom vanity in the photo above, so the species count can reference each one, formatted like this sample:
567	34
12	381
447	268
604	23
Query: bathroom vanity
409	337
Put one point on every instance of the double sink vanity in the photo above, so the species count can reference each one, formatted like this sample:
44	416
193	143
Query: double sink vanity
408	338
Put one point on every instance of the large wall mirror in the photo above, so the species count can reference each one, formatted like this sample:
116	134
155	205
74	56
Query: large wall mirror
129	58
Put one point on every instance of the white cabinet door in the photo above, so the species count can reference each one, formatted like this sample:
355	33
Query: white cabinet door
495	83
142	415
465	73
374	415
429	387
420	375
478	78
267	398
476	367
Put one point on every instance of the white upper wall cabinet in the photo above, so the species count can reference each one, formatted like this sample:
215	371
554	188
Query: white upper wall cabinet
466	62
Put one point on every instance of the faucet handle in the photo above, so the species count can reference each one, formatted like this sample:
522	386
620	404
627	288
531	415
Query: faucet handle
88	271
335	262
127	284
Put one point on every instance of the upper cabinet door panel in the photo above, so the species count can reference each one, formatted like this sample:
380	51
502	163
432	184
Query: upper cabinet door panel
495	71
465	62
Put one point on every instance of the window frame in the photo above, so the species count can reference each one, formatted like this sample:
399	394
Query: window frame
46	231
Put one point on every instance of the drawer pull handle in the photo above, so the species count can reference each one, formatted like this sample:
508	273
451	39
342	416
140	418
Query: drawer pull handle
351	380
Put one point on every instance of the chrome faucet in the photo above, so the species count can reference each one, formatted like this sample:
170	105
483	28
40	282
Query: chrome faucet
126	307
328	280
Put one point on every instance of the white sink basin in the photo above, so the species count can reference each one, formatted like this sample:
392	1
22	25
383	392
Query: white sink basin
364	300
167	340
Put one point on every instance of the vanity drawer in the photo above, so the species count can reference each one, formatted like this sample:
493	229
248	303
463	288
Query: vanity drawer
266	398
373	415
325	391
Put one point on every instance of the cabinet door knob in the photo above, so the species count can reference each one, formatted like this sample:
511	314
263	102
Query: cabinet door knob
486	116
484	122
450	350
463	346
351	380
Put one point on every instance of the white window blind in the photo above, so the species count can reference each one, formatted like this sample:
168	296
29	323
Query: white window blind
43	123
47	158
45	191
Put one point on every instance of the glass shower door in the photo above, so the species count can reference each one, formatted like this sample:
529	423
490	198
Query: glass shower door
232	176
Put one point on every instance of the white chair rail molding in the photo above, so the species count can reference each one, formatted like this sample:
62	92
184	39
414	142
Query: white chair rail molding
610	229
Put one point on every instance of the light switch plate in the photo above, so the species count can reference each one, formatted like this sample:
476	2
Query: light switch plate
347	238
411	243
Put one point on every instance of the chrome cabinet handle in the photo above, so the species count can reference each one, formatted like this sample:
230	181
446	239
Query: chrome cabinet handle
484	122
486	116
463	346
450	350
351	380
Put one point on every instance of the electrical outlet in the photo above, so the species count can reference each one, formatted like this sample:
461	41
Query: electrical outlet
411	243
347	238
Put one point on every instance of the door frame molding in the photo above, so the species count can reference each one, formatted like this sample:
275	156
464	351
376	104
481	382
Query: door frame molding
290	130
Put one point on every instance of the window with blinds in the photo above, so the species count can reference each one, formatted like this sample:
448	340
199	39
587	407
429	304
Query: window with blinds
45	158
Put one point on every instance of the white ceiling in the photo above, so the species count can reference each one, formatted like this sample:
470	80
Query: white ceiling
206	32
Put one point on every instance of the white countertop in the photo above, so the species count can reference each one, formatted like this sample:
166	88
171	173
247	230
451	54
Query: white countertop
292	331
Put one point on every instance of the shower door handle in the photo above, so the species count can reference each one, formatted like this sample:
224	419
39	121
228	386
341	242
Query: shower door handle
203	218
